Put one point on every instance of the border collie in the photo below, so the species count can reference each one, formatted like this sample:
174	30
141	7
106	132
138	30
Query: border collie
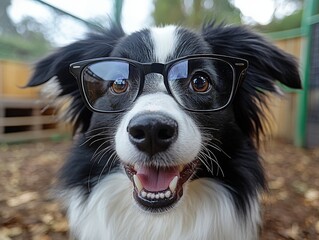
168	121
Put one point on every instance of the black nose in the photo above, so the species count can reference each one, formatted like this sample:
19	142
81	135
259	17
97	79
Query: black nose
152	133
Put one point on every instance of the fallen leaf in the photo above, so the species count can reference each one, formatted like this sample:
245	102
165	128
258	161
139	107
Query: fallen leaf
317	227
6	232
60	226
312	195
22	199
42	237
276	184
3	236
47	219
39	229
292	232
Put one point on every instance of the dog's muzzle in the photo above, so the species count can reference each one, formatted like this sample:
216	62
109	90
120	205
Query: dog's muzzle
158	182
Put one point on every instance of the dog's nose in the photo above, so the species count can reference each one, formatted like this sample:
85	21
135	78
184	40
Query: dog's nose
152	132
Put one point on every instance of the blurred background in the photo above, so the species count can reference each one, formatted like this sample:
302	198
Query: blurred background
33	143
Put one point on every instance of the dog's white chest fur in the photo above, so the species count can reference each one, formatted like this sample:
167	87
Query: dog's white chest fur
205	212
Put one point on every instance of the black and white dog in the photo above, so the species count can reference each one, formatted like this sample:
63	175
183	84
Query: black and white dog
168	122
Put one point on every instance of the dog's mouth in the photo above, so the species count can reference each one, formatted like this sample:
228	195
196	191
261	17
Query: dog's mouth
159	188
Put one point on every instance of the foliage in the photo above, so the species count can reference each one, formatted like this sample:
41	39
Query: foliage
7	26
194	12
289	22
286	22
22	41
16	47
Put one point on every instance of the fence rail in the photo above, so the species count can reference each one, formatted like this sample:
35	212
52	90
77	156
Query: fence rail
24	115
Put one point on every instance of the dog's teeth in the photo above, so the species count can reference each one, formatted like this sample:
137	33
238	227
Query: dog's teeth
137	183
173	184
143	194
168	193
158	195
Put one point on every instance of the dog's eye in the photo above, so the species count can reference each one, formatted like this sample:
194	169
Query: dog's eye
119	86
200	83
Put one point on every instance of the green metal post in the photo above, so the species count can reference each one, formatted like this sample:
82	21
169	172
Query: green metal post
89	24
300	138
118	6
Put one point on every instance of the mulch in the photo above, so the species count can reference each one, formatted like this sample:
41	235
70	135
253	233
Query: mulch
28	210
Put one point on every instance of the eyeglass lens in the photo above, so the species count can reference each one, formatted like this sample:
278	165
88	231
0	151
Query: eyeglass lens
196	84
201	84
110	85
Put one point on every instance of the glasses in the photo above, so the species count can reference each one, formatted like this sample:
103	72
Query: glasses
199	83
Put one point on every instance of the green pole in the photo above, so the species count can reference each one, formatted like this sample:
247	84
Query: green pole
89	24
302	108
118	6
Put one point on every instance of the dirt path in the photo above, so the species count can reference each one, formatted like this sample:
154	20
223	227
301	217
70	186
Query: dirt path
27	211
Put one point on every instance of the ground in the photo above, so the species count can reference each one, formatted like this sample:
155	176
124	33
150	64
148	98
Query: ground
28	211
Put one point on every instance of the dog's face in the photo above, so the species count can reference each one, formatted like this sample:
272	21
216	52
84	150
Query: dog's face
159	143
165	118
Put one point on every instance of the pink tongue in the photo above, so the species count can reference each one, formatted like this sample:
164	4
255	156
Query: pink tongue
156	179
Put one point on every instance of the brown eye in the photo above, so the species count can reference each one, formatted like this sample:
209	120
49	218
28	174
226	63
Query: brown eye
119	86
200	83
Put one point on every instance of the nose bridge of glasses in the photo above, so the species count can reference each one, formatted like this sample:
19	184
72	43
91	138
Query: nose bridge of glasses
154	68
153	78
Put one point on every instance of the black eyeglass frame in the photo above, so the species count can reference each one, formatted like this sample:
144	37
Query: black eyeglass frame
239	67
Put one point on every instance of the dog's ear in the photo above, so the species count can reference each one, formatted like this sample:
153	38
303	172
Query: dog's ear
54	71
267	63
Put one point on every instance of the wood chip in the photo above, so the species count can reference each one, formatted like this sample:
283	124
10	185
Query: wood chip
22	199
312	195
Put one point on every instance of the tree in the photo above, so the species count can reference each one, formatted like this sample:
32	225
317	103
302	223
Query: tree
194	12
280	5
282	22
24	40
7	26
289	22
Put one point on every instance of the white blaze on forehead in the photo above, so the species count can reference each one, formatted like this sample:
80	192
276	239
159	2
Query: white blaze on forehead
164	40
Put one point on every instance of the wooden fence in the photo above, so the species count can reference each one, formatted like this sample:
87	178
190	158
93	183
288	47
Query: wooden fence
283	109
23	114
22	118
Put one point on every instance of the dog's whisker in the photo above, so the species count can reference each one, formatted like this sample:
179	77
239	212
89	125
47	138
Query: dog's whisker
100	128
206	165
89	139
106	139
104	134
208	128
89	177
93	159
210	138
103	152
115	159
210	155
98	151
207	140
113	155
207	159
218	148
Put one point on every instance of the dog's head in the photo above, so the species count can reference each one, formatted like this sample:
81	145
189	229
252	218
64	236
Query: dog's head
168	105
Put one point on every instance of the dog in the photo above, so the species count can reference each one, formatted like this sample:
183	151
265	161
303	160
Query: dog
168	122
